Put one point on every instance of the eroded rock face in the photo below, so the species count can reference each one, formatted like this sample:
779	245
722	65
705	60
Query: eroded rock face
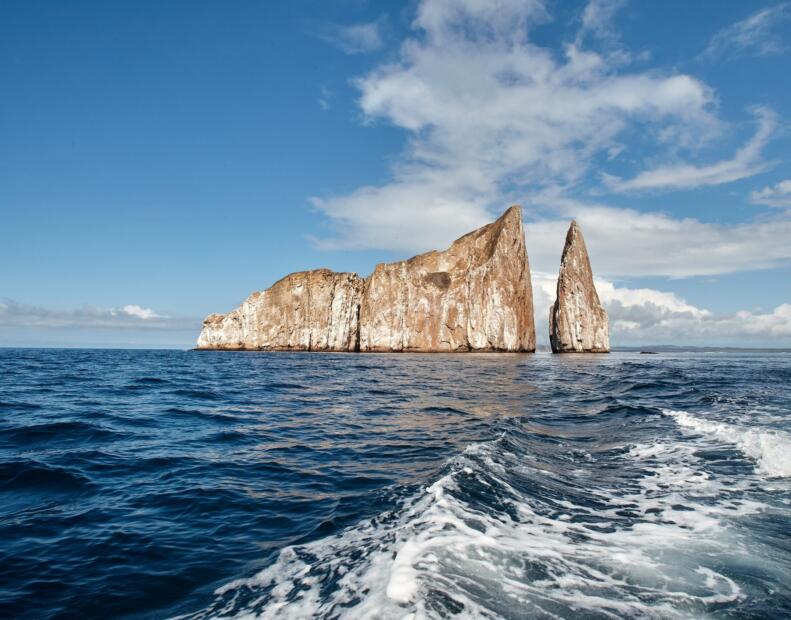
577	321
305	311
474	296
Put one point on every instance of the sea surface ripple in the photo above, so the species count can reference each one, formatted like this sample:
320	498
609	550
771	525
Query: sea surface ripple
157	484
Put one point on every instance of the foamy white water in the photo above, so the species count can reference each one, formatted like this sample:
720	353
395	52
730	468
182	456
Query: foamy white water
770	449
645	550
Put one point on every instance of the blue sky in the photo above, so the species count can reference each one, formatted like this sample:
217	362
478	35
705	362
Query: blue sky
160	161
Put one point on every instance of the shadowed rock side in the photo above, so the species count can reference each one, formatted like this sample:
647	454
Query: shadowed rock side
577	321
475	296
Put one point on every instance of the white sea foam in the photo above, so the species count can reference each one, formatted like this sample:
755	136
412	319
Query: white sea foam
442	554
770	449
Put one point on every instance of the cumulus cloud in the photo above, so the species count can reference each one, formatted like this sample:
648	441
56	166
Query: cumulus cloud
492	116
16	314
755	36
356	38
746	162
778	195
648	316
496	119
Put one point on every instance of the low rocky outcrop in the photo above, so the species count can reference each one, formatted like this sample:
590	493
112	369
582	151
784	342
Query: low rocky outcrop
577	321
474	296
305	311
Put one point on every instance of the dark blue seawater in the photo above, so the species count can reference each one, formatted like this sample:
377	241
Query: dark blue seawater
154	484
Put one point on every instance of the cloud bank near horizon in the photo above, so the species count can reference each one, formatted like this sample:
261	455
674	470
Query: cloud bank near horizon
647	316
130	316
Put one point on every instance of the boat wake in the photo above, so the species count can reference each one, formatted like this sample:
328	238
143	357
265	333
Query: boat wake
643	530
770	449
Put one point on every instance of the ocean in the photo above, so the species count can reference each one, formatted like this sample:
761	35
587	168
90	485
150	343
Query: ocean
161	484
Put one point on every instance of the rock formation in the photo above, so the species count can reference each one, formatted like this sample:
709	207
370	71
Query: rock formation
305	311
577	321
474	296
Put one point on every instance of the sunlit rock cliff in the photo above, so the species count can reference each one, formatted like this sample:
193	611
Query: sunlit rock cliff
474	296
305	311
577	321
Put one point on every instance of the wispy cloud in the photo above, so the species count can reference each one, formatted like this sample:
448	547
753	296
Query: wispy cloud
324	98
16	314
597	20
746	162
495	119
355	38
778	195
493	116
756	35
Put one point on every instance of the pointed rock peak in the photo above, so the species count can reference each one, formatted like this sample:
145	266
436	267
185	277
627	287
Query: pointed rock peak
512	211
509	222
577	321
574	237
510	217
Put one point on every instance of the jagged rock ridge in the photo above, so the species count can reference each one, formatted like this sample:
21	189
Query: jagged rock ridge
577	321
474	296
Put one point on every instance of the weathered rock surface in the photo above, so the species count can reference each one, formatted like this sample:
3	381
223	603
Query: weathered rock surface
305	311
474	296
577	321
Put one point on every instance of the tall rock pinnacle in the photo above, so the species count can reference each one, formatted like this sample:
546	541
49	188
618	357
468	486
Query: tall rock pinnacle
474	296
577	321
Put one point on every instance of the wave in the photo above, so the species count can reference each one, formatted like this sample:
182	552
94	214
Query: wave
477	542
60	431
32	475
769	448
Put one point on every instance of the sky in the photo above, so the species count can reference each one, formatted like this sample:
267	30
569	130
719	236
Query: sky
159	161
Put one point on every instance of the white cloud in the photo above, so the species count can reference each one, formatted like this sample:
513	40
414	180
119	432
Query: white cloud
778	195
597	20
387	217
623	242
752	36
140	312
15	314
492	116
647	316
494	119
356	38
746	162
325	94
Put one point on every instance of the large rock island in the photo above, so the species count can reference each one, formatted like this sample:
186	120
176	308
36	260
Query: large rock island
577	321
474	296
